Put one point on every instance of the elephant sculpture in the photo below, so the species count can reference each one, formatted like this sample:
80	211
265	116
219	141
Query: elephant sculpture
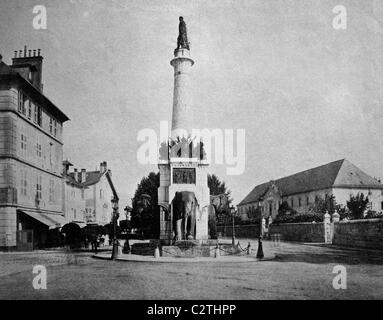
185	207
217	203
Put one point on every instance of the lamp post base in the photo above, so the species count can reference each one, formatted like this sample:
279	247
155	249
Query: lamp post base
115	250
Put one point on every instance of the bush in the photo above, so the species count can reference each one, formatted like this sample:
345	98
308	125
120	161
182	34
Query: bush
296	217
373	215
288	215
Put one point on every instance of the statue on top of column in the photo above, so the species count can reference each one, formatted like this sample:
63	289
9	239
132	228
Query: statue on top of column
182	40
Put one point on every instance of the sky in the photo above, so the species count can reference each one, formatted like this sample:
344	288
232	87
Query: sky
305	93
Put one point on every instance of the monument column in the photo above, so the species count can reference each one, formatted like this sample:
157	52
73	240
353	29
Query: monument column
182	118
182	172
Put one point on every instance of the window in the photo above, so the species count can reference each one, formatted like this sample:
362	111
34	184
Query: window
307	201
299	202
100	193
30	109
22	103
51	190
39	116
35	113
55	128
50	125
23	142
38	150
39	188
24	183
381	206
292	203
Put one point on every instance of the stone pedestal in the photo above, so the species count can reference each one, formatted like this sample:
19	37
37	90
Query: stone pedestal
169	187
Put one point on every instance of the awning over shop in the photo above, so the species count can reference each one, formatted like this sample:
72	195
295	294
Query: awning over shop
52	221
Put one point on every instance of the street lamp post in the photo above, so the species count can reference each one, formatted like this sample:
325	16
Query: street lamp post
232	211
128	219
115	218
260	254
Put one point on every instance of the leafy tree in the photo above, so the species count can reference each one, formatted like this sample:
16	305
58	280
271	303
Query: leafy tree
218	187
285	213
357	205
145	213
254	215
328	204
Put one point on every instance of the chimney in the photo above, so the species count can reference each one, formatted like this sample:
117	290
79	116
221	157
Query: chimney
26	64
66	165
83	175
103	167
76	175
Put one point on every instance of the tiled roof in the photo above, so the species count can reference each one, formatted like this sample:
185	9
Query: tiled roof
92	177
340	173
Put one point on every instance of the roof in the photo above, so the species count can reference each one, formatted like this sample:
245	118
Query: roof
92	177
8	72
5	69
340	173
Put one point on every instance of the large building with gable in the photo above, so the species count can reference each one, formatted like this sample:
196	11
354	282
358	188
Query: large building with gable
31	150
339	178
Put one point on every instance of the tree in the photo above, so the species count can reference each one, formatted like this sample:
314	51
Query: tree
320	205
285	213
218	187
145	213
357	205
254	215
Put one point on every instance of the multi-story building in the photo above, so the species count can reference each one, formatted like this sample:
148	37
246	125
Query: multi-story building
31	150
88	196
74	196
339	178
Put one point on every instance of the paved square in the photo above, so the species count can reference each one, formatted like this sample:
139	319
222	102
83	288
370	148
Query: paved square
299	271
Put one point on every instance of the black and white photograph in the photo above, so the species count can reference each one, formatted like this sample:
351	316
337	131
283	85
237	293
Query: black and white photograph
174	150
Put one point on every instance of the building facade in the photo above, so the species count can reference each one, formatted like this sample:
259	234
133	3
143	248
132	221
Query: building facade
73	197
31	149
339	178
88	195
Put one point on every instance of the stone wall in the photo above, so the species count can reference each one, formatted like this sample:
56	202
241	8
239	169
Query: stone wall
245	231
366	233
302	232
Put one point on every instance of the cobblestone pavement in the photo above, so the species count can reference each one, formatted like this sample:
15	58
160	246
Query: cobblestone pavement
299	271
